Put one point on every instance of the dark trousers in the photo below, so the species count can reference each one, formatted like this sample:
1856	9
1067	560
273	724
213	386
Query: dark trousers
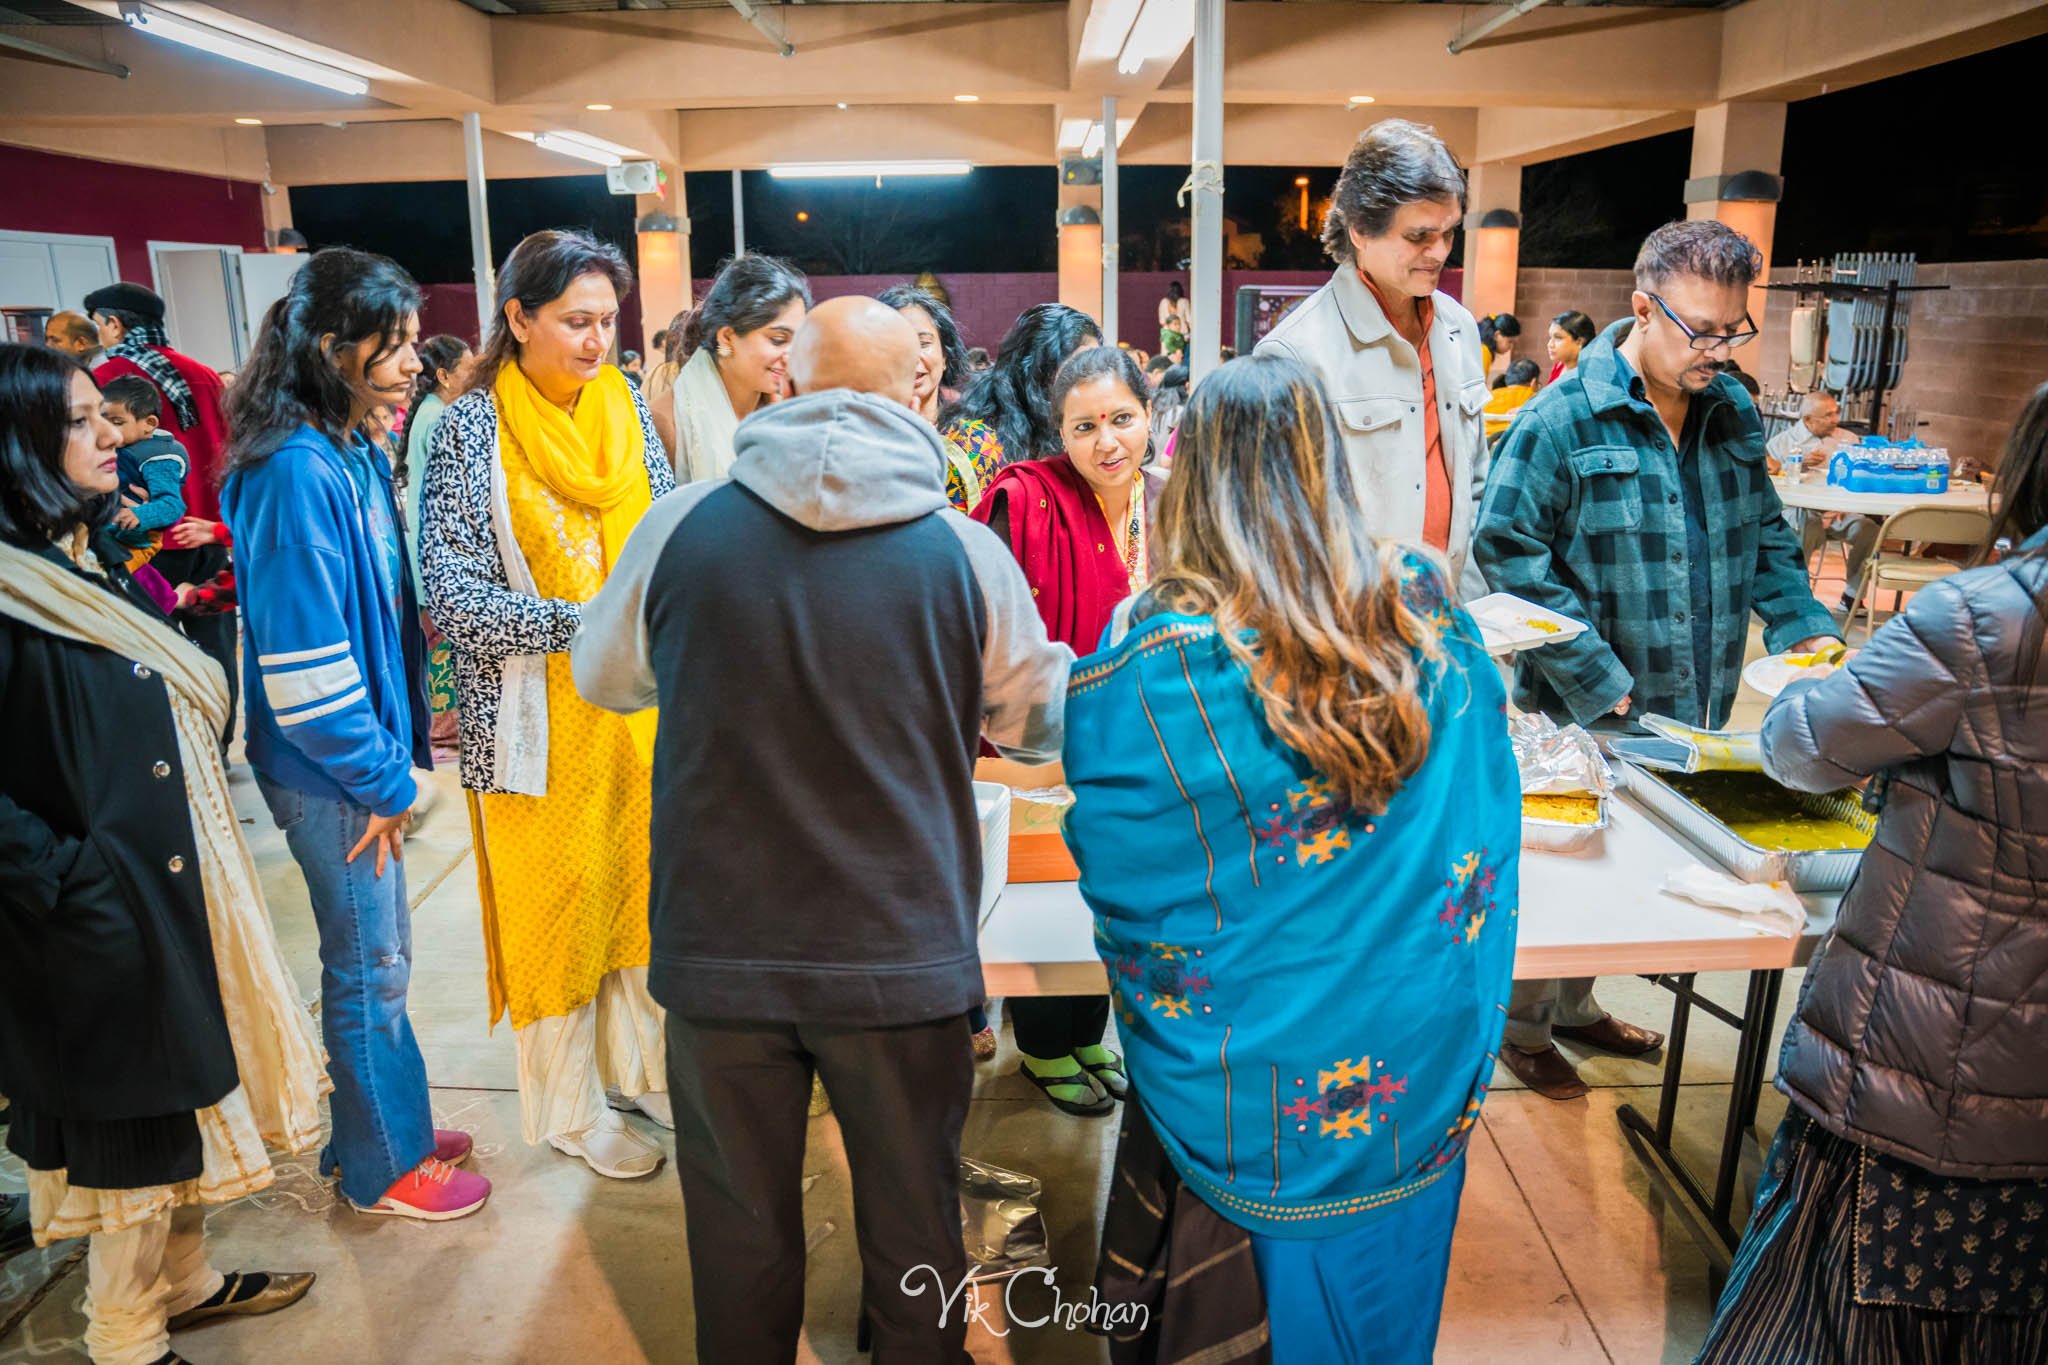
215	635
741	1094
1051	1026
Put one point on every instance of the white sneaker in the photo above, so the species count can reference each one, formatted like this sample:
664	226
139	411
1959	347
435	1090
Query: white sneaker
612	1149
654	1104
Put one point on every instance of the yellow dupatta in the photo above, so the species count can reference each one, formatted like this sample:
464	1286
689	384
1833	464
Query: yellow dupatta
596	456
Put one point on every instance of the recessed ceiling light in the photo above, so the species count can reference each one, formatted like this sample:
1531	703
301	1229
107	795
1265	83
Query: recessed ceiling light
598	108
1361	99
966	99
253	122
802	217
842	104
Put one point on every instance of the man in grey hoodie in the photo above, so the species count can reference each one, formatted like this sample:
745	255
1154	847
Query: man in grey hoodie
827	640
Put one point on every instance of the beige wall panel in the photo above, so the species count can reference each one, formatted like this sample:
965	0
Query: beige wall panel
1525	135
1788	49
1282	134
988	135
1627	59
427	150
236	153
711	58
441	44
166	83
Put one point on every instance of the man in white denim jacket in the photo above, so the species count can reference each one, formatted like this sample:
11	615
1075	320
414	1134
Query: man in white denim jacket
1400	358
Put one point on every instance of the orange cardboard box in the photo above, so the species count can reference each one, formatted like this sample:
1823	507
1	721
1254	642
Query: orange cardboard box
1038	850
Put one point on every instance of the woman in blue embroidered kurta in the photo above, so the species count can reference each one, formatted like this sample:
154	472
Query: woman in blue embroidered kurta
1301	850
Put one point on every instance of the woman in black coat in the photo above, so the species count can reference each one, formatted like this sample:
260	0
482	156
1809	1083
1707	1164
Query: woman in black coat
119	857
1903	1212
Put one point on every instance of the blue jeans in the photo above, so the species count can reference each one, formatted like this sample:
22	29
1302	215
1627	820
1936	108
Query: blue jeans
383	1120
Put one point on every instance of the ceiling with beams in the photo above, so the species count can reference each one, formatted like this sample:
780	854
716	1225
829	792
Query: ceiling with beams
601	6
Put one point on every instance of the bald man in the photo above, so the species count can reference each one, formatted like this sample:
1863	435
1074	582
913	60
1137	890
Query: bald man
75	334
827	641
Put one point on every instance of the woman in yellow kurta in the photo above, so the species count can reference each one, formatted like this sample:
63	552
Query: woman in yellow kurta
536	478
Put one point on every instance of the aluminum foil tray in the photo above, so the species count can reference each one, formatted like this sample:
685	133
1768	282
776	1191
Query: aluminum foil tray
1830	869
1559	836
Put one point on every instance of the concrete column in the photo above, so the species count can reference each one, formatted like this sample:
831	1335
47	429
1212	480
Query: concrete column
1205	278
1737	152
1080	229
1112	325
1493	237
479	227
277	213
664	265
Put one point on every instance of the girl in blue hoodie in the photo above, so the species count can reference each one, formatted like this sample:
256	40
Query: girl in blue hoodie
334	674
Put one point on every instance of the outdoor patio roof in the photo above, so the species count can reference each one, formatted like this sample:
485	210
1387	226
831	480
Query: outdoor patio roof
694	85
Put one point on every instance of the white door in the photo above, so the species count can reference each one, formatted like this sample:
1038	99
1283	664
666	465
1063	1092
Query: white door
53	269
265	278
81	268
28	278
201	312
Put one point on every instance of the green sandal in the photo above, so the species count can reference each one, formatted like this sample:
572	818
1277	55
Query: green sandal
1107	1068
1076	1084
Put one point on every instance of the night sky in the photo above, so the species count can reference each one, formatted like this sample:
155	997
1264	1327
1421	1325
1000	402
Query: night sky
1888	166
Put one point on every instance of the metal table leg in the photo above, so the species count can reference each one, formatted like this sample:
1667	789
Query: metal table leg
1710	1213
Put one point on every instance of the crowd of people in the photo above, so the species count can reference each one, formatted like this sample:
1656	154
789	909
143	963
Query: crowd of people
716	649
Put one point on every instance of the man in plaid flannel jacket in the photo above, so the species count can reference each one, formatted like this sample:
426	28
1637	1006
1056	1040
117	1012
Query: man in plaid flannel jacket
1632	495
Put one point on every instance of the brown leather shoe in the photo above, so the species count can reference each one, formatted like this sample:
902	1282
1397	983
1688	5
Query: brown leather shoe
1549	1073
1610	1034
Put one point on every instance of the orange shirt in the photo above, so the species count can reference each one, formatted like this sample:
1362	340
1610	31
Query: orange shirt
1436	508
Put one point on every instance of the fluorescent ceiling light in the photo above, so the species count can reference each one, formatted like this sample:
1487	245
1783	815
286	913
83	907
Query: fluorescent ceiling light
1109	23
221	43
967	99
582	146
250	122
1360	99
1074	132
598	108
555	142
824	170
1162	33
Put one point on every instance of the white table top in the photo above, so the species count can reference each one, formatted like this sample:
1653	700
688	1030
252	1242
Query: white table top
1828	497
1588	915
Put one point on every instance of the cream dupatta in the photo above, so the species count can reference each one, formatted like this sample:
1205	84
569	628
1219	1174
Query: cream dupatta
277	1046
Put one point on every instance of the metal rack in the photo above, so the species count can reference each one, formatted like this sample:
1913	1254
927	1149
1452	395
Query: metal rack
1862	405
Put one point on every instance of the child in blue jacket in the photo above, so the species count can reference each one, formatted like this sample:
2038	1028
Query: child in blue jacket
150	459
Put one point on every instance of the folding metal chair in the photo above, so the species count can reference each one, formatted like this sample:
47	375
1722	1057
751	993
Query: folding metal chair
1917	525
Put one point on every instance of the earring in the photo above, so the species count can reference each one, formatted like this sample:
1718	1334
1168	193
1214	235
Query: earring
724	351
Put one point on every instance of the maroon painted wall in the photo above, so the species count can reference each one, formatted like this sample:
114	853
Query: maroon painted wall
984	306
133	205
449	308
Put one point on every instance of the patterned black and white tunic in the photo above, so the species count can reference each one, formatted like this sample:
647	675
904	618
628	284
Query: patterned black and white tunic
501	632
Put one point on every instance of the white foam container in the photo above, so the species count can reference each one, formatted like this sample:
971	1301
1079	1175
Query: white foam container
992	805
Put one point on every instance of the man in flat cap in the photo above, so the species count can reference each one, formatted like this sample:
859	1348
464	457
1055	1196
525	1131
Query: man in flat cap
130	319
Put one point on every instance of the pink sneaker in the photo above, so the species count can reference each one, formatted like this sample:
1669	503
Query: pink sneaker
451	1146
434	1192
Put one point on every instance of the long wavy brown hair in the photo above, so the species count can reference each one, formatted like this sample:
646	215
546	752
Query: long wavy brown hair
1260	528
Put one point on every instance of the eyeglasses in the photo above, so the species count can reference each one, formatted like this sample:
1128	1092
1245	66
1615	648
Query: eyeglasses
1707	341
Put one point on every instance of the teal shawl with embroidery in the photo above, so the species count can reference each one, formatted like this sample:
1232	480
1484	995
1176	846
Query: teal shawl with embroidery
1309	998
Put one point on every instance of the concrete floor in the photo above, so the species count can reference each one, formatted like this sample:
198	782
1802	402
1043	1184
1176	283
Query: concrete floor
1565	1251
